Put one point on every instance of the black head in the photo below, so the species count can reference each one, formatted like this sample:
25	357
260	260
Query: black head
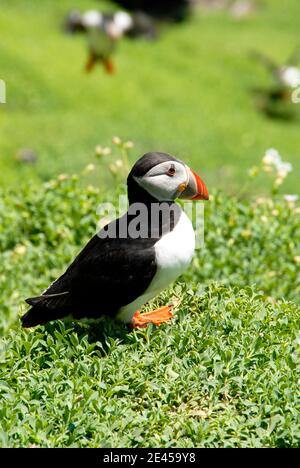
158	177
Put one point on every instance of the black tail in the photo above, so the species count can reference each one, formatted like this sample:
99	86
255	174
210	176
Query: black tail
45	308
39	315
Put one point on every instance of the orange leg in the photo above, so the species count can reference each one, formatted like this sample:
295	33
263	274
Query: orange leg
109	66
90	63
157	317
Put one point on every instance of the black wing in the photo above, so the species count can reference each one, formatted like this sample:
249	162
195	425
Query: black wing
107	274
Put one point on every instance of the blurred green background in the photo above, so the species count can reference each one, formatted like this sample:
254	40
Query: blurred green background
189	93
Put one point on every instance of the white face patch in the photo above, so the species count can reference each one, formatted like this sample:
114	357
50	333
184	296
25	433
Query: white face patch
92	18
123	21
163	180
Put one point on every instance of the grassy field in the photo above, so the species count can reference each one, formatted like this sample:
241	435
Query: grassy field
225	372
189	93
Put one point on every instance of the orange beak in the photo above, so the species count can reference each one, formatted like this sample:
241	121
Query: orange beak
195	189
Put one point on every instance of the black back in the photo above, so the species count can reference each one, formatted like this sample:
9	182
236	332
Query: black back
113	269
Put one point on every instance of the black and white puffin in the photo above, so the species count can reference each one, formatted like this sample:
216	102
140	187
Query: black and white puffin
104	30
131	259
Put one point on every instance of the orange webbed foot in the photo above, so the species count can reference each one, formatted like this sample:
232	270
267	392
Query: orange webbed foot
157	317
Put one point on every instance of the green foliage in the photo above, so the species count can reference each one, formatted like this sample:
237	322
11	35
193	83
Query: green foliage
224	373
250	243
190	93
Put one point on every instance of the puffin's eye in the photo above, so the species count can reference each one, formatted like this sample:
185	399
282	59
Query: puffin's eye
171	171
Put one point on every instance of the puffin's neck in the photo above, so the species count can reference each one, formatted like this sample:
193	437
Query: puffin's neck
157	225
136	194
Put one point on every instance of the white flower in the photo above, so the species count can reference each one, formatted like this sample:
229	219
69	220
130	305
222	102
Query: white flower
90	168
271	156
116	140
283	169
128	144
106	151
102	151
271	160
291	198
20	249
278	181
113	169
290	76
119	163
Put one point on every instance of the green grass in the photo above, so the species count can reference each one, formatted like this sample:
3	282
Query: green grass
224	373
189	93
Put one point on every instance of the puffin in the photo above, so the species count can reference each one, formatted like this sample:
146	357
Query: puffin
104	30
277	100
133	258
103	33
286	75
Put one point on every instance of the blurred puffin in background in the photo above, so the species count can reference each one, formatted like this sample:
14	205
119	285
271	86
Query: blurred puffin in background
286	75
131	259
105	30
276	101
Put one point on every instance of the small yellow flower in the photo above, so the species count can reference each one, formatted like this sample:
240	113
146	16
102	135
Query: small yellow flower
119	163
278	181
246	233
116	140
261	200
20	249
99	150
128	145
106	151
92	189
275	212
62	177
113	169
297	259
102	150
264	219
90	168
271	157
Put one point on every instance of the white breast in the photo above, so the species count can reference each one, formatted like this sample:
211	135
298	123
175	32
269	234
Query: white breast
173	254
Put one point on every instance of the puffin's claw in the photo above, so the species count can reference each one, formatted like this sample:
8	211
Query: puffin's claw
157	317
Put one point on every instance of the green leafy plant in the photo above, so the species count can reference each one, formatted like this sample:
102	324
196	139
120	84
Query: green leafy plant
224	373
